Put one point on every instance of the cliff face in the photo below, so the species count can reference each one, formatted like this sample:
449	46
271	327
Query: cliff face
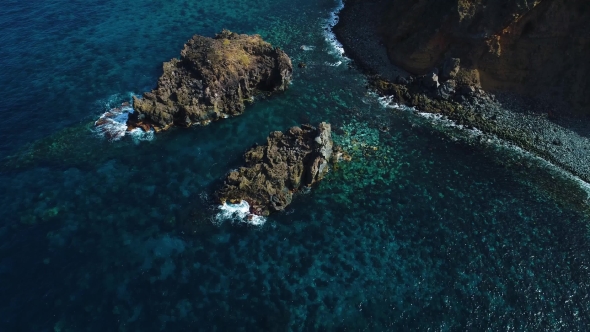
535	47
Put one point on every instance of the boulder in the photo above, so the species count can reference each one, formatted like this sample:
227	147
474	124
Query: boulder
451	68
212	80
430	80
446	90
466	90
289	162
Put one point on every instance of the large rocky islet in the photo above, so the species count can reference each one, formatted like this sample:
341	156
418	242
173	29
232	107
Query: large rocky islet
213	79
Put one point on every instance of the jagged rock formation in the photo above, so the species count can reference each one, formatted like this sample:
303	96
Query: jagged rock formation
212	80
289	161
538	47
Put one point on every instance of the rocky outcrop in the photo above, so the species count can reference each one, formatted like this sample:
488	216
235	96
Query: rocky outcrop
290	161
212	79
538	48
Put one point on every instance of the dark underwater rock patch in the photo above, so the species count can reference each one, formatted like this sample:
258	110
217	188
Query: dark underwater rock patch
289	162
213	79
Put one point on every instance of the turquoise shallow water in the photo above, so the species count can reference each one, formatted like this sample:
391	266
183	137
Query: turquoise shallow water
421	231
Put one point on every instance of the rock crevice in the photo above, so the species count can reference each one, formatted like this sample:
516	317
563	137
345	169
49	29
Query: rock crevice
537	48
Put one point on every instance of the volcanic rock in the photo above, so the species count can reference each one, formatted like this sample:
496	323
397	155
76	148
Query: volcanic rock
289	162
537	48
212	79
451	68
446	90
430	80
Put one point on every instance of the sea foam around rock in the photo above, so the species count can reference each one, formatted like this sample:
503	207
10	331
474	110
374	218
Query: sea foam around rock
112	124
238	213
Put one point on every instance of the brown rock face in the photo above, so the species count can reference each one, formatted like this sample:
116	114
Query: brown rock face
538	47
212	79
289	161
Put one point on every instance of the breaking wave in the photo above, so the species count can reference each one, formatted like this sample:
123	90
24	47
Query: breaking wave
238	213
336	47
112	124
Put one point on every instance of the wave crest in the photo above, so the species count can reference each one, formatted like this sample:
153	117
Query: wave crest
239	212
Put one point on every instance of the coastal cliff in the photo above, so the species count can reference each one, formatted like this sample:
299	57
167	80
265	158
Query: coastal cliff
535	48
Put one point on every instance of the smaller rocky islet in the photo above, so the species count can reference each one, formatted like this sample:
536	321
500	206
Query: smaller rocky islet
213	79
289	162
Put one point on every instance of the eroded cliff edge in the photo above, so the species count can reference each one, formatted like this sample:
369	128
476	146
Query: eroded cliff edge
537	48
212	79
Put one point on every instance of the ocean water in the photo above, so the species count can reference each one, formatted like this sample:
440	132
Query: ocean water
428	228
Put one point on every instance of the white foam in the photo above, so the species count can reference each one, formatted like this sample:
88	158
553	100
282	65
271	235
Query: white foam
139	135
238	213
112	124
334	64
388	102
336	47
307	47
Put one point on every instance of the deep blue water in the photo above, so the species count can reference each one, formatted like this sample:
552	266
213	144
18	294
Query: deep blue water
420	231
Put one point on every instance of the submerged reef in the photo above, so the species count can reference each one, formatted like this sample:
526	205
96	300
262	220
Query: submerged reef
68	147
289	162
212	79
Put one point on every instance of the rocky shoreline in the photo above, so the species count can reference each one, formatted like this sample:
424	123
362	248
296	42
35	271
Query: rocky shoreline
213	79
533	125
